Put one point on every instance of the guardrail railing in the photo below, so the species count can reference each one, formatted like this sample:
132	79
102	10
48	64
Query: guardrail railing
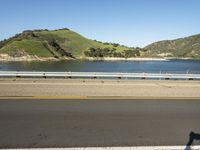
165	76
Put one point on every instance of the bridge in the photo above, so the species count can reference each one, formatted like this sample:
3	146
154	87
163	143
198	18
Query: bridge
94	75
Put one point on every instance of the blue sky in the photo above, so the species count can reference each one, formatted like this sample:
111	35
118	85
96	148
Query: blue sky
128	22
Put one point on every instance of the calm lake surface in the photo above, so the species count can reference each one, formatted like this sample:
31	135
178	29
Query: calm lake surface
172	66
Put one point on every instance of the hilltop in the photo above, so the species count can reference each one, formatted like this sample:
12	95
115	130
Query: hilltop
58	44
188	47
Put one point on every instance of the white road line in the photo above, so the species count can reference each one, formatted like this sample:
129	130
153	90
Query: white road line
121	148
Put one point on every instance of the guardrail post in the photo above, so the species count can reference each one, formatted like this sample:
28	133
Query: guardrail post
160	75
94	77
44	75
119	77
126	78
69	75
143	77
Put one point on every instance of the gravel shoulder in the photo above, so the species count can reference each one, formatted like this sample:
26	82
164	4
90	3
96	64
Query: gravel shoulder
81	87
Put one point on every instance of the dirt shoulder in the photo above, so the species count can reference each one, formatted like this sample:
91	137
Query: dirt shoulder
106	88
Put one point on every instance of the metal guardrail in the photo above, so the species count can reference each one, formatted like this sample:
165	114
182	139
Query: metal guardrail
99	75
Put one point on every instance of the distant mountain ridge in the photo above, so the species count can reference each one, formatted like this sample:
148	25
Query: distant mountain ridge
67	44
179	48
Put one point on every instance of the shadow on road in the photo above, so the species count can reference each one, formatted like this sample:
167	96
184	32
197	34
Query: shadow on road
192	137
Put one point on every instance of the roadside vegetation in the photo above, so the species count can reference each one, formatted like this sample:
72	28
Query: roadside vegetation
108	52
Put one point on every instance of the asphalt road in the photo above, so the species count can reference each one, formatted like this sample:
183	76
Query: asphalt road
77	123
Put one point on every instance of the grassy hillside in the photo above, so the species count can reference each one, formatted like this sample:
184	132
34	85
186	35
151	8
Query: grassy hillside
32	47
65	43
56	43
184	47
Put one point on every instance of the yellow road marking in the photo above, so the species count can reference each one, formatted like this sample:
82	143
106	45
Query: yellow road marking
61	97
94	98
143	98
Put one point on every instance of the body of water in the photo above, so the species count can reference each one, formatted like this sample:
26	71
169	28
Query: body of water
172	66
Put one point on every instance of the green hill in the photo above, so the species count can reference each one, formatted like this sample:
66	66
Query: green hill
179	48
65	44
58	44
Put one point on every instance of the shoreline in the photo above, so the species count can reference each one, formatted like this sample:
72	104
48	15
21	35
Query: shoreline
6	58
43	59
136	59
124	59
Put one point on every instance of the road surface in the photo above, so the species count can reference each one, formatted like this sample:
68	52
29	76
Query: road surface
86	123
